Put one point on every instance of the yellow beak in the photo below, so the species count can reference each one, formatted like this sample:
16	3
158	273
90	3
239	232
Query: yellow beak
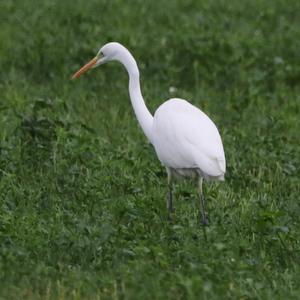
86	67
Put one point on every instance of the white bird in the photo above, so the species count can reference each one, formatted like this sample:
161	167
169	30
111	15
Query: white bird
186	140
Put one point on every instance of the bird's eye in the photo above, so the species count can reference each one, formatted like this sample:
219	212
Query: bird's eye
100	54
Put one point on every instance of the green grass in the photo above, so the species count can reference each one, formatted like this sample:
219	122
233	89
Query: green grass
82	194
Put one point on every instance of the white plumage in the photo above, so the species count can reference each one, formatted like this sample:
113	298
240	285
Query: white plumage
185	139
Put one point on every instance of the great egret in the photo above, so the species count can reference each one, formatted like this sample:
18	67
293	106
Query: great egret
185	139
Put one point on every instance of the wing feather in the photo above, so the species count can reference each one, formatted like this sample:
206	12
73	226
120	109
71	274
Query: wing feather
185	137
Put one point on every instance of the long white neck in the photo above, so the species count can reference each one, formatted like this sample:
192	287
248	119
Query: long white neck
142	113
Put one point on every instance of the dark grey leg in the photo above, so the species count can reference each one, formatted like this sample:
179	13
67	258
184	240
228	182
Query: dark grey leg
202	206
170	199
170	194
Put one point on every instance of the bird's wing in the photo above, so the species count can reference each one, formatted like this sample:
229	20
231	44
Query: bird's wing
185	137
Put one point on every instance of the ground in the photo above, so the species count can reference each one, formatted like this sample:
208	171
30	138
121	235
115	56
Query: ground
82	194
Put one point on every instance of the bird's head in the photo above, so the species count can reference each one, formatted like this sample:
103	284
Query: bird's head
110	51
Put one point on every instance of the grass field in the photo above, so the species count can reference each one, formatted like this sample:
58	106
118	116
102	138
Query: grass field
82	194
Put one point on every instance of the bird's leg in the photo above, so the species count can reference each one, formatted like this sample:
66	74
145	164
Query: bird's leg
202	203
170	194
170	198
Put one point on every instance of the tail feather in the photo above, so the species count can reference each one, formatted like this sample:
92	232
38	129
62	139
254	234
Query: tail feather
222	164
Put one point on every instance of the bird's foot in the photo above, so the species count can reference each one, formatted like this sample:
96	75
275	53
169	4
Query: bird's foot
204	221
170	214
